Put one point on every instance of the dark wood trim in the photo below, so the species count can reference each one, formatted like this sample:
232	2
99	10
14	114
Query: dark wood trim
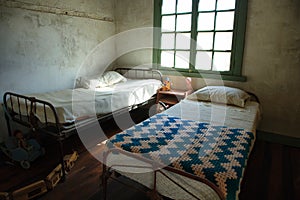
278	138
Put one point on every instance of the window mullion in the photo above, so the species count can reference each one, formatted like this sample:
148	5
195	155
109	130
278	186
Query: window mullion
239	36
157	31
214	36
174	57
193	43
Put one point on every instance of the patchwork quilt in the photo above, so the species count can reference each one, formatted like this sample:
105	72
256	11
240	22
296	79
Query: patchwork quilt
216	153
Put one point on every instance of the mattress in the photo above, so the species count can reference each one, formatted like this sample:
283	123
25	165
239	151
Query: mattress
219	114
80	103
213	114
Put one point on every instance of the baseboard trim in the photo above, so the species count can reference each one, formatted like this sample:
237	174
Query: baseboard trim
277	138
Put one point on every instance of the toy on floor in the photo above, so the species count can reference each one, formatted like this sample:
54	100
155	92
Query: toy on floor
22	150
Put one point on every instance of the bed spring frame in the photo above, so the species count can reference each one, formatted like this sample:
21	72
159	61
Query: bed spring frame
13	111
109	172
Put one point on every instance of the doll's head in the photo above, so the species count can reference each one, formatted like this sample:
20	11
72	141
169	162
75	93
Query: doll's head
18	134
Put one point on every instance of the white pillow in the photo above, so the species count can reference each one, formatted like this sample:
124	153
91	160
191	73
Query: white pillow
107	79
112	77
221	94
90	83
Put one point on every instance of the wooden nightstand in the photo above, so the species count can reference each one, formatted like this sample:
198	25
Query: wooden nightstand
172	96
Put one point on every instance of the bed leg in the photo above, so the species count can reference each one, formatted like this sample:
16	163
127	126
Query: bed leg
153	194
104	181
61	152
8	124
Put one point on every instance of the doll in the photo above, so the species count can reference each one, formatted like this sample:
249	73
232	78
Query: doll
22	143
166	85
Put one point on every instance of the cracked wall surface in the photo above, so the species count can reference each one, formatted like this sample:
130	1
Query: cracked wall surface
44	43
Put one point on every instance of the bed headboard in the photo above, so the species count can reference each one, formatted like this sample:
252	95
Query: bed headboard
142	73
253	97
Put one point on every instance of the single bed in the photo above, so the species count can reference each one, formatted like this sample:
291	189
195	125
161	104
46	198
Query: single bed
197	149
59	113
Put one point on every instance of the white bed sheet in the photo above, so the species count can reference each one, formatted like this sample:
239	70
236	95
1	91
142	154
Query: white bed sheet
80	103
217	114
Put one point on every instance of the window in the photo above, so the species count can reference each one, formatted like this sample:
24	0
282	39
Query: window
205	36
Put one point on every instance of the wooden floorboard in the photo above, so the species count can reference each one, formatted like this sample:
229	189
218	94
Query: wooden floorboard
82	182
13	176
273	172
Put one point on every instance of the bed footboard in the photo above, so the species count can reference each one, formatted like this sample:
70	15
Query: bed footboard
22	109
109	172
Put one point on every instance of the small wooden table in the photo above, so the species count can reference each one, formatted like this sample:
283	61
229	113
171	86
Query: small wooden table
172	96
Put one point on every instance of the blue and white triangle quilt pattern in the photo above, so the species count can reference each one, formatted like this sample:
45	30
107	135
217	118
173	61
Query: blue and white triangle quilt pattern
216	153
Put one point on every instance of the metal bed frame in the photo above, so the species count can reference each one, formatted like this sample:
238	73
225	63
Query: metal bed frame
58	130
109	172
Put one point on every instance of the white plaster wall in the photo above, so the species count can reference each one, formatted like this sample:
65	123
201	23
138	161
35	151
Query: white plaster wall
42	51
271	57
272	63
130	15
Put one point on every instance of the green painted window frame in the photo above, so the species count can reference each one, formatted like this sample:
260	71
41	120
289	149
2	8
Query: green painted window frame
237	51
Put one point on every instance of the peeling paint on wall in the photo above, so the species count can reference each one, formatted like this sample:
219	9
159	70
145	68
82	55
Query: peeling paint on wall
53	10
42	51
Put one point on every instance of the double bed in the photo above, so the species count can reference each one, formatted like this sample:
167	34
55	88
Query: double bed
197	149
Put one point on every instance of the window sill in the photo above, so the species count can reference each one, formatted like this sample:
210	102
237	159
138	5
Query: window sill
206	75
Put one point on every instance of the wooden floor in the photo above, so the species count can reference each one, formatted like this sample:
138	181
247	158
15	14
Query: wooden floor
273	172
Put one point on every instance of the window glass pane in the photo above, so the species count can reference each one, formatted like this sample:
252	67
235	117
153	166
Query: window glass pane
167	40
184	22
168	23
168	6
206	5
184	6
224	20
182	59
223	41
203	60
221	61
225	4
206	21
167	58
183	40
214	21
205	41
